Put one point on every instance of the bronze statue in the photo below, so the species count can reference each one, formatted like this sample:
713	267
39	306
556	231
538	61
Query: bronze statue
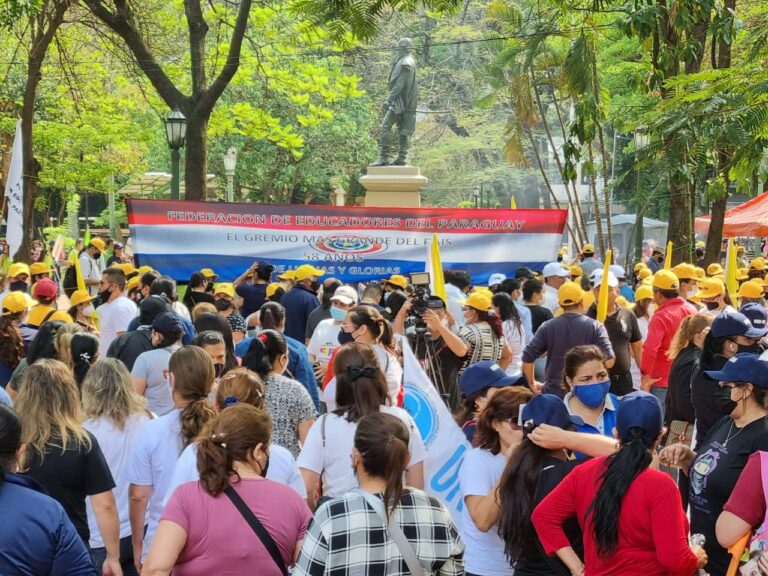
400	108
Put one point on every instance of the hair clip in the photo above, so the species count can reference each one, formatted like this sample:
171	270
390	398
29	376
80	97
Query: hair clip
263	337
230	401
355	372
85	356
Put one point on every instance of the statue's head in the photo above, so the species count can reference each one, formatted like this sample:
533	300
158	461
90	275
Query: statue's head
404	46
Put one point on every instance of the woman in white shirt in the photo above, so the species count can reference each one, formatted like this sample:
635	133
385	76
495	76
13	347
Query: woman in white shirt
325	460
514	331
115	415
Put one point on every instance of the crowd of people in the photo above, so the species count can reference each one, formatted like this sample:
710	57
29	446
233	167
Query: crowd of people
259	426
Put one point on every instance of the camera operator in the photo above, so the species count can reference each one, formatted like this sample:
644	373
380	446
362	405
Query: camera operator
251	286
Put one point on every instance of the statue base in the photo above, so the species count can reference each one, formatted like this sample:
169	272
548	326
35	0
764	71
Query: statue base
393	186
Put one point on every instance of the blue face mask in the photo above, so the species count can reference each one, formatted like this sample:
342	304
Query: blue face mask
337	313
592	395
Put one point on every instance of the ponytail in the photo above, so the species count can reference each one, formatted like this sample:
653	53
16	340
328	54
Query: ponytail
84	348
193	374
382	441
622	469
380	329
263	351
493	320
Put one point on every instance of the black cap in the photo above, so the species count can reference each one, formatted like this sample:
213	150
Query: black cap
524	272
167	323
150	308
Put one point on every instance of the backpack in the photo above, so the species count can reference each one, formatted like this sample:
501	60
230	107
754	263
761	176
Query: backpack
69	282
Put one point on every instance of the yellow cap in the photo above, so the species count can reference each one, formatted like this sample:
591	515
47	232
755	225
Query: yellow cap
621	302
700	272
751	289
741	250
226	288
133	283
208	273
16	302
397	280
126	267
720	277
710	288
714	269
742	274
757	264
144	269
17	269
98	243
61	316
576	271
306	270
665	280
39	268
644	273
700	244
685	271
640	266
643	292
287	275
647	281
80	296
588	249
272	288
479	300
570	294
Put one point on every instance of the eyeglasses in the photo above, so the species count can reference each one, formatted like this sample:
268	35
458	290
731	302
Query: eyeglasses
345	325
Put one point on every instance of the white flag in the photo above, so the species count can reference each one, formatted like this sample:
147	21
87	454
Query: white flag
14	192
445	442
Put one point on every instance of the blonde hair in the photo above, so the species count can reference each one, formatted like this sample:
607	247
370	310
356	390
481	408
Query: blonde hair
63	342
242	385
689	328
203	308
49	407
108	391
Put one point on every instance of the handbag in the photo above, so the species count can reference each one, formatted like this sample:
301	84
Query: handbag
395	532
258	528
680	432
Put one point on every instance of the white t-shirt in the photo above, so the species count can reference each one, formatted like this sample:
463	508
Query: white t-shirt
115	444
282	469
325	339
393	372
334	461
90	270
114	317
181	310
484	552
151	463
550	298
515	337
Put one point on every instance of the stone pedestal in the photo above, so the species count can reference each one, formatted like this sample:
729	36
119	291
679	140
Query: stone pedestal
393	186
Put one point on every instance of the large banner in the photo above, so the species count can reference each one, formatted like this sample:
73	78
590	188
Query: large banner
351	243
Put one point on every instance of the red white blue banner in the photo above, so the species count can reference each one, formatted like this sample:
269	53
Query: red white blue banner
351	243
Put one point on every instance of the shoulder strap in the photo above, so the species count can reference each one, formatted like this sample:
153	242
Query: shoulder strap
324	417
48	316
396	533
258	528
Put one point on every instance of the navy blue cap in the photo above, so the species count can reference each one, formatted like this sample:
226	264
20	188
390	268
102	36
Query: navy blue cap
167	323
756	314
639	410
547	409
735	324
744	367
485	374
524	272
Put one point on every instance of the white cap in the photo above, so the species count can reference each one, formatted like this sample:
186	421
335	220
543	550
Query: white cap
613	282
555	269
496	279
345	295
618	271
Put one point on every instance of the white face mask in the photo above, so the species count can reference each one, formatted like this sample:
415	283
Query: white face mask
88	310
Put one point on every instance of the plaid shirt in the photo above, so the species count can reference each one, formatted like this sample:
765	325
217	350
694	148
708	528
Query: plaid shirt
347	537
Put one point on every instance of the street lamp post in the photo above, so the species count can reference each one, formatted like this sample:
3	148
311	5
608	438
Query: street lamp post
230	162
642	139
476	196
176	131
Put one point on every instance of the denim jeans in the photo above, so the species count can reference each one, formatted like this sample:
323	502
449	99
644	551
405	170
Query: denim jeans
661	394
126	557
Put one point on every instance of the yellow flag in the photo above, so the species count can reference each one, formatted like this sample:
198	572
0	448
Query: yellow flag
435	269
78	272
731	272
668	257
512	203
602	296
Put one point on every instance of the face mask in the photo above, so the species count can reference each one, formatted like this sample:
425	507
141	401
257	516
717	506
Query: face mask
97	255
138	297
88	310
338	314
219	368
751	349
345	337
265	468
387	295
104	295
17	286
315	285
223	305
712	306
690	293
592	395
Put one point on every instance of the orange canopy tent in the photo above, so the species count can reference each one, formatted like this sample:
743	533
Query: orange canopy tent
748	219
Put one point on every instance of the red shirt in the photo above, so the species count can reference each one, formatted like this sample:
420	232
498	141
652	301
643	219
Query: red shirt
662	328
653	530
748	499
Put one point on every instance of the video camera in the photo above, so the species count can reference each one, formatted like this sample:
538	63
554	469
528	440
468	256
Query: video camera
421	302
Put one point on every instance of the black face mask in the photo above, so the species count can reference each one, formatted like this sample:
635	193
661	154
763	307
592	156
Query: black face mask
751	349
712	306
104	295
223	305
345	337
17	286
97	255
219	368
315	285
266	467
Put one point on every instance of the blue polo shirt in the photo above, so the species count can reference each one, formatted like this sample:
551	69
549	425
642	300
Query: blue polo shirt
607	421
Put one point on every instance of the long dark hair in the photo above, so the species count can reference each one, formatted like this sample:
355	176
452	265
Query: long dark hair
11	342
493	320
264	350
505	405
43	345
382	441
271	315
507	309
10	439
85	348
217	323
358	396
713	346
622	468
517	491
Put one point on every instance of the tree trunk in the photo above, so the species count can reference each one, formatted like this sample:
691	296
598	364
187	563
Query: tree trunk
679	231
715	234
196	159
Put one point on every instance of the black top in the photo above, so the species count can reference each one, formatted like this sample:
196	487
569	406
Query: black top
710	402
315	317
130	345
537	563
678	402
193	298
70	476
623	330
394	301
720	461
253	295
539	315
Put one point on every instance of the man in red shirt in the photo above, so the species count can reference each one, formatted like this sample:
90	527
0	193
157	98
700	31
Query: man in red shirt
669	313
